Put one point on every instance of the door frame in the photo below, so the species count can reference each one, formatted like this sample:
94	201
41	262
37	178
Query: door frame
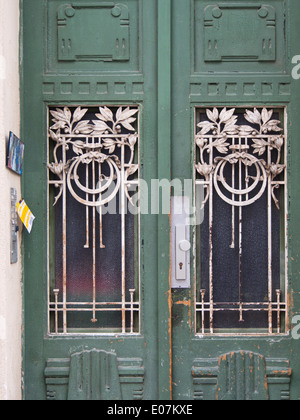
164	221
163	41
155	337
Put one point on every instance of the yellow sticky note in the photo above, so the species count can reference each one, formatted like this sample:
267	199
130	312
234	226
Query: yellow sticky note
25	215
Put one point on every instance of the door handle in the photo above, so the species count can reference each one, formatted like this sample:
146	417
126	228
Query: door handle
181	244
185	245
182	248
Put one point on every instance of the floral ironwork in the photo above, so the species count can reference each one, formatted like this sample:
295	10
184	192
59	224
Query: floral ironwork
108	126
95	158
218	132
241	163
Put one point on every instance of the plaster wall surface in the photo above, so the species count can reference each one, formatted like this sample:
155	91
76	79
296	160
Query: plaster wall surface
10	275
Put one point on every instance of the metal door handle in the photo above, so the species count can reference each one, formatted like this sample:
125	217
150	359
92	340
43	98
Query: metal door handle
182	248
181	244
185	245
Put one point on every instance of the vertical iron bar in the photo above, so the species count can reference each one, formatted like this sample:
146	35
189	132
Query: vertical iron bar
240	237
132	291
94	320
56	291
232	246
202	291
278	292
123	244
270	274
64	242
247	173
100	210
211	286
87	245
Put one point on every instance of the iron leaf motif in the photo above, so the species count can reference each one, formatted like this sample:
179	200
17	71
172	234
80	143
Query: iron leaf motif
71	130
220	134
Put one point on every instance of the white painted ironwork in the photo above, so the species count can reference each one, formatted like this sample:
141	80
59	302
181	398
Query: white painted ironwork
103	141
223	141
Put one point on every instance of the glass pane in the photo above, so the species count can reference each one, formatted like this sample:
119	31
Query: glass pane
93	166
240	162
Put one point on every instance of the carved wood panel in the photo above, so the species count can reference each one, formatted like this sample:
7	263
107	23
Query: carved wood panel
241	375
94	375
87	32
93	36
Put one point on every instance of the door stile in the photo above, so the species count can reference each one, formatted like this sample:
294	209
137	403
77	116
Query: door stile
293	188
164	228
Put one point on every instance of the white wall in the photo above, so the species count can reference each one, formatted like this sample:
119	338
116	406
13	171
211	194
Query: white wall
10	275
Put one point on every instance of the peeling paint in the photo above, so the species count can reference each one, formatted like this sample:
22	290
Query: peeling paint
184	302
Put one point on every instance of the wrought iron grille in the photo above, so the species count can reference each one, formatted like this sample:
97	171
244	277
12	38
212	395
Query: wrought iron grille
93	238
241	245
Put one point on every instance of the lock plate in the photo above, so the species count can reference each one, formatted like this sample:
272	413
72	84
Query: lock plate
180	237
14	227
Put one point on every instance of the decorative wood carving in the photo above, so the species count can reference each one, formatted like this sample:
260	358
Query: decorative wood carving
252	34
241	375
94	375
93	32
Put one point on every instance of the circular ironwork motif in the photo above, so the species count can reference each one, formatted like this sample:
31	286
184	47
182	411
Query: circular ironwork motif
96	193
243	200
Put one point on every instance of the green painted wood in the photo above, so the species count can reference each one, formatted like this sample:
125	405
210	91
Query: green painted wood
94	376
182	168
164	172
87	44
293	33
49	81
168	72
242	377
200	80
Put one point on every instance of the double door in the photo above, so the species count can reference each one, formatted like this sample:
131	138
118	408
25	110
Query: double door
161	167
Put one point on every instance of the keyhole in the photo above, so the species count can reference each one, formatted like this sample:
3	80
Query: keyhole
181	266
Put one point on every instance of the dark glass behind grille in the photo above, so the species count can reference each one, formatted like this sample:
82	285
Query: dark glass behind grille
229	284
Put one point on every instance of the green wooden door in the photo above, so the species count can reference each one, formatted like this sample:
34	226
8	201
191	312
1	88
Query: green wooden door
89	110
234	122
149	304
